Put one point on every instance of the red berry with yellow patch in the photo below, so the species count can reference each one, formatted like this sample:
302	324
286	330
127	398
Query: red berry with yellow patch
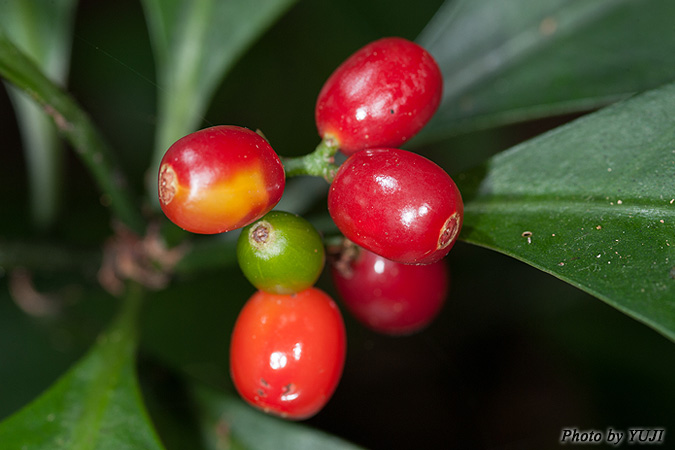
219	179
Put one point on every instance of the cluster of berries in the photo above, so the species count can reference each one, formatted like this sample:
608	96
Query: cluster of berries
399	213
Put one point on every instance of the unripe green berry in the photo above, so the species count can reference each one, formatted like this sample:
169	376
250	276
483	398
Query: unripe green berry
282	253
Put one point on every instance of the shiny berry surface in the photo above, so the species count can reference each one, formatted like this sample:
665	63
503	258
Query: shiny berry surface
381	96
219	179
387	296
397	204
287	352
282	253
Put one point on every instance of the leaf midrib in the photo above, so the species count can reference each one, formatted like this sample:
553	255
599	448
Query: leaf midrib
99	393
628	207
109	358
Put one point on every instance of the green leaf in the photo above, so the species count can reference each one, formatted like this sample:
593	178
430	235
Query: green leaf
229	423
195	44
96	405
522	59
592	203
43	30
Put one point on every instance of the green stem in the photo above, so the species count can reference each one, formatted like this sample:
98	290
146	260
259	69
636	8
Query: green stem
120	339
319	163
76	126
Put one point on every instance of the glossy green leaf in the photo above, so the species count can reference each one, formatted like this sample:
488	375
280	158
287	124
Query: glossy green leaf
592	203
506	61
43	30
195	44
96	405
229	423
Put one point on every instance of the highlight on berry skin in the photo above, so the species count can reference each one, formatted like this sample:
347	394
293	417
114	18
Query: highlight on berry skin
219	179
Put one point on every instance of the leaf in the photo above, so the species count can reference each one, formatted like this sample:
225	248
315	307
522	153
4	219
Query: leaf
96	405
196	43
76	126
522	59
43	30
592	203
229	423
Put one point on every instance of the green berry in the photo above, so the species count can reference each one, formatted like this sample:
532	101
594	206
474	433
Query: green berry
282	253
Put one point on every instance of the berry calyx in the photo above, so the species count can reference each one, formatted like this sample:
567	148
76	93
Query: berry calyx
282	253
397	204
381	96
219	179
287	352
386	296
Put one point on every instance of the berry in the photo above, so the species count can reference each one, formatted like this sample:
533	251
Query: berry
287	352
219	179
387	296
396	204
381	96
281	253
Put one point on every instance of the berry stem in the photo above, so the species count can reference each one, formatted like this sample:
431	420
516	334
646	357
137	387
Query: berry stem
319	163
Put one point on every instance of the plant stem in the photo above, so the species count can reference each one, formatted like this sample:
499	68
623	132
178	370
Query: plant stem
319	163
76	126
125	326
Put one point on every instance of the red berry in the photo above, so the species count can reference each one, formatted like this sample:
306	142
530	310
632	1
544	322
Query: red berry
387	296
397	204
381	96
219	179
287	352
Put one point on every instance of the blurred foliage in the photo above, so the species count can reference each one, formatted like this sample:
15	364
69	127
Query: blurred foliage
516	354
44	32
